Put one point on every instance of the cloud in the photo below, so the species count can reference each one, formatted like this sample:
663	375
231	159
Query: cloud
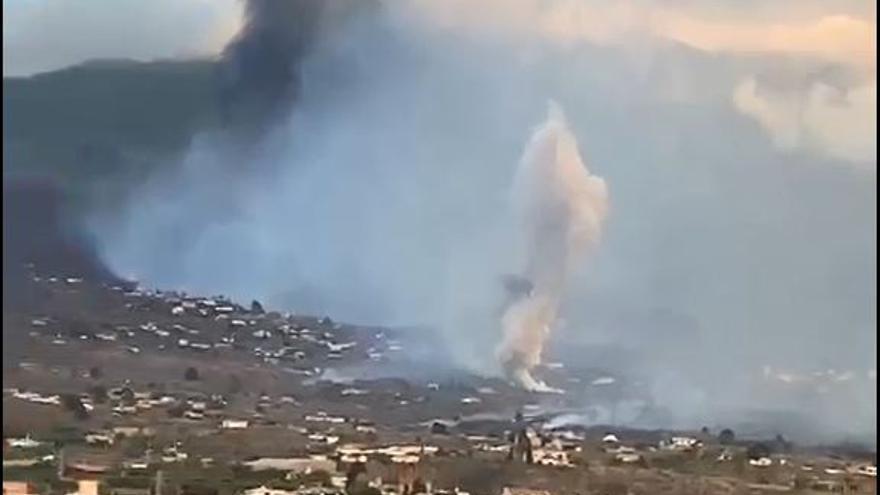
808	43
834	36
840	123
42	35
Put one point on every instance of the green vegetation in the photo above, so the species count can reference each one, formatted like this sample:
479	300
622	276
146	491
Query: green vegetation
104	124
222	479
99	394
191	374
65	435
95	373
44	476
73	404
726	437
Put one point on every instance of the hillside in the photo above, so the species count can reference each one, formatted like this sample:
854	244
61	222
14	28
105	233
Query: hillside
99	123
85	132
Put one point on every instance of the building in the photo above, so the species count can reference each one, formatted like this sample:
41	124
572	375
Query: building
610	438
126	431
131	491
234	424
523	491
293	464
19	488
87	487
263	490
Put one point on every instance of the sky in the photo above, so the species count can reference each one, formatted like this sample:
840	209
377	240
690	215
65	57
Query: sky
737	139
42	35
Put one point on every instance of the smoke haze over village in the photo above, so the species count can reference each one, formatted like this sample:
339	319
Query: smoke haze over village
366	153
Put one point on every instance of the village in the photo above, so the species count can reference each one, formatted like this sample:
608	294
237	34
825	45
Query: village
118	390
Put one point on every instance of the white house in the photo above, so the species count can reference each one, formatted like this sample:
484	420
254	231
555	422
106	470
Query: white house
263	490
234	424
610	438
23	443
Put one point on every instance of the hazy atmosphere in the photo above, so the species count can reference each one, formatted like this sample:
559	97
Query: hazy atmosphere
362	164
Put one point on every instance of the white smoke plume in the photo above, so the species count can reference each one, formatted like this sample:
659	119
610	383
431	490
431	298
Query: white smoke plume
561	208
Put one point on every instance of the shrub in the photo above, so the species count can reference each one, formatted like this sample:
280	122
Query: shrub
758	450
72	403
99	394
191	374
234	385
726	437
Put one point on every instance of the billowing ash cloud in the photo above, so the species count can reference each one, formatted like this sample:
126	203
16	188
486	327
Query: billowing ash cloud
561	209
261	65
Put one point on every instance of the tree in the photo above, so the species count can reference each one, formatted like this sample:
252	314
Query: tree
73	404
351	476
726	437
782	445
318	477
177	410
191	374
234	385
758	450
361	488
127	396
419	486
99	394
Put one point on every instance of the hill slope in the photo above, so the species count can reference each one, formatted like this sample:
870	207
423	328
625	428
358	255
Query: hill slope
105	120
89	131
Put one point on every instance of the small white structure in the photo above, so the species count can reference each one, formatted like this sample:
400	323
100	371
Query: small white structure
610	438
603	380
234	424
354	391
761	462
628	457
322	417
139	465
295	464
194	415
127	431
325	439
681	443
522	491
23	443
558	458
340	347
263	490
867	470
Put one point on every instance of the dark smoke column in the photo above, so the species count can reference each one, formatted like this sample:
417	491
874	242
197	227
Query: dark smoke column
260	72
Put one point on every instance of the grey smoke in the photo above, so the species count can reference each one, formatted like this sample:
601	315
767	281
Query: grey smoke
560	209
381	196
